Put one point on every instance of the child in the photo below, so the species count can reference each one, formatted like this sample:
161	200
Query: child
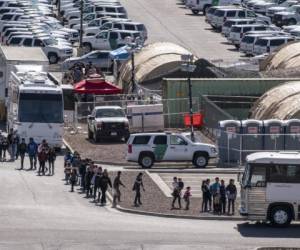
73	178
186	197
67	172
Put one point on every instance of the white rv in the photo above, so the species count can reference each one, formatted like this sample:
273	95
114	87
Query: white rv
35	106
270	187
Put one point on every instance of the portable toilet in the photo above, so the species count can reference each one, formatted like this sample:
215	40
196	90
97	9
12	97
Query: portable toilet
292	135
229	141
273	135
252	137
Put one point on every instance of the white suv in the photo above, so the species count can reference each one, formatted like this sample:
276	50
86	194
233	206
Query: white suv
147	148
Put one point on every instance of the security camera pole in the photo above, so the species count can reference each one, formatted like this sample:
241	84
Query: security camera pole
188	66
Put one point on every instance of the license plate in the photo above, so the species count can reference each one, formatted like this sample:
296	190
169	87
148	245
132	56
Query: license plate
113	133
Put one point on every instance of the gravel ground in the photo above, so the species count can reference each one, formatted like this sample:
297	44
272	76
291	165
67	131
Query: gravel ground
153	199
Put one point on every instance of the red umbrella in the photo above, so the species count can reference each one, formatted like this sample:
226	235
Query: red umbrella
96	85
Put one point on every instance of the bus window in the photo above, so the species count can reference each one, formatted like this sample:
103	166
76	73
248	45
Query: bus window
284	174
258	176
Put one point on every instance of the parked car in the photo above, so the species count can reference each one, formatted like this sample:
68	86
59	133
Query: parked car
289	17
269	44
203	5
99	58
108	122
108	40
230	22
282	7
148	148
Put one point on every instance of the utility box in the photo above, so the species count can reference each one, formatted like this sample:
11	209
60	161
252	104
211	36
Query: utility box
292	135
273	135
252	141
229	141
146	117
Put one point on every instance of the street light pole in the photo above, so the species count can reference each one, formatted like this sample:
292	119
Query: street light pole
132	71
81	24
191	103
189	67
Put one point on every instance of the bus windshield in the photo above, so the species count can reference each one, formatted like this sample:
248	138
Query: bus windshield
40	108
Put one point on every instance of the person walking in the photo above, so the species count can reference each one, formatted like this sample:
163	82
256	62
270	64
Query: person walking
17	142
73	178
186	197
231	195
5	146
22	149
138	184
32	150
176	193
42	156
10	140
104	183
116	189
67	171
51	160
223	197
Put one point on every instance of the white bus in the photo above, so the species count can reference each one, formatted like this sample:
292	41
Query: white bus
35	106
270	187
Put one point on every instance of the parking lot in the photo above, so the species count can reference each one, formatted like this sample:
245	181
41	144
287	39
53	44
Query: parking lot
172	22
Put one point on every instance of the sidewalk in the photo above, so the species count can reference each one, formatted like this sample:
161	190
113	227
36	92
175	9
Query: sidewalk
155	203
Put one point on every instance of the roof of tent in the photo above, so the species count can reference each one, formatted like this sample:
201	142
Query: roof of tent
154	60
96	85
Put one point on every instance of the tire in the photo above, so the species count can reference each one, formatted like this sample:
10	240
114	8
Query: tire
87	47
53	58
90	134
237	46
292	22
195	12
200	160
281	216
146	160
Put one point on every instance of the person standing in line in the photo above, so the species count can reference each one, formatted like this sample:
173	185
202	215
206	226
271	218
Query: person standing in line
10	140
88	179
209	194
32	150
68	158
42	156
231	195
67	171
51	160
204	197
22	149
82	172
116	189
176	193
186	197
215	191
223	197
1	138
138	184
97	181
5	146
104	183
73	178
17	141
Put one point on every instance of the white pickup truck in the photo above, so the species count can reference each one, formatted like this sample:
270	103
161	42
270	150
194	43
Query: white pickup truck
147	148
202	5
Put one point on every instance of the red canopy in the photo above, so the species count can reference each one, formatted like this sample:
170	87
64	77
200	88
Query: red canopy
96	85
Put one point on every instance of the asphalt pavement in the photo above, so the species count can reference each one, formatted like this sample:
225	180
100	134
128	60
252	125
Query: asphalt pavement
41	213
170	21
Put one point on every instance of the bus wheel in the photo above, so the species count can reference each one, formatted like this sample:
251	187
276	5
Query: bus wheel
281	216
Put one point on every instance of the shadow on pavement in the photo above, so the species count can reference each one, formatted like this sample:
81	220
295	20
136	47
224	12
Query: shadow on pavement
263	230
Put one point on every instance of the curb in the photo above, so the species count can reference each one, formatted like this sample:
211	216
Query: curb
132	211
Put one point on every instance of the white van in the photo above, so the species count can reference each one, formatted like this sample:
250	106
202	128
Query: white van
237	31
230	22
269	44
221	15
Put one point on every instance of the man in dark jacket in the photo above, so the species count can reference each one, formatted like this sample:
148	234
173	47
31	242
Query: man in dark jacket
231	195
223	197
104	183
97	181
32	150
88	179
22	149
